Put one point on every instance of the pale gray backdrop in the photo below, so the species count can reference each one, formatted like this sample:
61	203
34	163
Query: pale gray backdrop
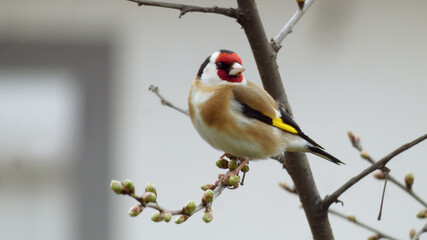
358	65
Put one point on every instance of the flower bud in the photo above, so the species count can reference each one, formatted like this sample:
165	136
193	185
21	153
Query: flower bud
233	180
412	233
245	168
116	186
422	214
232	165
301	3
150	188
379	175
208	186
222	163
207	215
167	216
129	187
351	218
409	180
149	197
207	197
157	216
189	207
374	237
135	210
181	219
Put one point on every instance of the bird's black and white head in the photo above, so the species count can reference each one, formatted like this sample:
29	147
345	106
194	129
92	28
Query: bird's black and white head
223	66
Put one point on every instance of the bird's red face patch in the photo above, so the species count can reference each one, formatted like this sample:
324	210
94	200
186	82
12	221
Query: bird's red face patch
224	62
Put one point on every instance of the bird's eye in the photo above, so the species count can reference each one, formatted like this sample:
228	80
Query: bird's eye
221	65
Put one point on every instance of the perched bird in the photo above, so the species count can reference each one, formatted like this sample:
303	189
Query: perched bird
236	116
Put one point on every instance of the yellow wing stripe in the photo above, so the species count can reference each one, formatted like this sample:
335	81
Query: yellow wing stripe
277	122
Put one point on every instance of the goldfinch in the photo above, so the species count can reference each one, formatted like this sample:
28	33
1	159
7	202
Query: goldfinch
236	116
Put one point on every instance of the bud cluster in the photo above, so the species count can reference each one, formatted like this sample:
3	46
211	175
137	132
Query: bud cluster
125	187
150	194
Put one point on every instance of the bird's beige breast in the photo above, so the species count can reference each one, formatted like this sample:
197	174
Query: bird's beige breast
217	118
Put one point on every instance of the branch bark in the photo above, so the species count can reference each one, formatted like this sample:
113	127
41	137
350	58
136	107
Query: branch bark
378	165
229	12
277	41
296	163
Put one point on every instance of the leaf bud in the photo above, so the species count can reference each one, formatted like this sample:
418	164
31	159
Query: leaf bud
233	180
189	207
181	219
116	186
207	197
301	3
422	214
232	165
157	216
207	215
135	210
374	237
222	163
167	215
207	186
245	168
129	187
409	180
379	175
412	233
149	197
351	218
150	188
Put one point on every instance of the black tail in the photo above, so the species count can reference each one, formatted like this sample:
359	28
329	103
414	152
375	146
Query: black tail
321	153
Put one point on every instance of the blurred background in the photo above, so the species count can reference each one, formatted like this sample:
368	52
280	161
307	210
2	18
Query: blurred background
76	112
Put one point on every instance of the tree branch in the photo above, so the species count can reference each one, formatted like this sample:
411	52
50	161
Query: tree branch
218	190
183	8
355	142
277	41
296	163
378	165
350	218
361	224
165	102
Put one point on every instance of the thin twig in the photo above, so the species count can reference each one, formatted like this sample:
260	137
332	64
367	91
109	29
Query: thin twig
355	142
218	190
341	215
165	102
378	165
277	41
382	197
361	224
422	230
184	8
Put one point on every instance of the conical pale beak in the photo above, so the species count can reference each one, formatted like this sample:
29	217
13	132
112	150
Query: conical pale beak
236	69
